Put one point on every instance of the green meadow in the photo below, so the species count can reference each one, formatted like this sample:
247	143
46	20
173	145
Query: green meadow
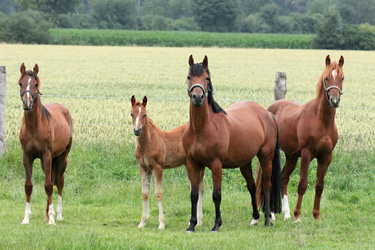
102	203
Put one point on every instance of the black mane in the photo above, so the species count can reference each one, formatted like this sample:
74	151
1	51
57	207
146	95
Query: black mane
197	70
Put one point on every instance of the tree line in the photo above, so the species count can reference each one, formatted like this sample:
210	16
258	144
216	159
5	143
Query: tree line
338	24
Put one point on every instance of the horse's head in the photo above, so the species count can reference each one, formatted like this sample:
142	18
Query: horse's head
29	86
333	78
139	114
198	80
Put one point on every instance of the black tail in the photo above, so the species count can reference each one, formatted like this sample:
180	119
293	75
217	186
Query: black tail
275	197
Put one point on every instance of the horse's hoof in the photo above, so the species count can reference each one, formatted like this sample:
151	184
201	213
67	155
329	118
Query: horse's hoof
141	225
254	222
25	222
189	231
161	227
59	218
273	216
52	222
297	220
287	216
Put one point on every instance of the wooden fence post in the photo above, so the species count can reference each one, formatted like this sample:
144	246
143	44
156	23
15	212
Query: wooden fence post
280	86
2	109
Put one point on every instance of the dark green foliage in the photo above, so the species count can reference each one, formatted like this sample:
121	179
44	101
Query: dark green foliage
305	24
179	39
359	37
215	15
156	22
76	20
114	14
25	27
329	32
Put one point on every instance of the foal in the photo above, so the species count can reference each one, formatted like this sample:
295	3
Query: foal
309	131
46	133
157	150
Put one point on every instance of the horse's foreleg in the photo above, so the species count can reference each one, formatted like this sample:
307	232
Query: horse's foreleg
217	175
290	165
46	162
158	175
146	180
200	199
247	173
302	185
28	164
323	164
195	178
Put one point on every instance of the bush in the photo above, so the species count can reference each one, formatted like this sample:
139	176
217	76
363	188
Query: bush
156	22
329	32
185	23
76	20
359	37
25	27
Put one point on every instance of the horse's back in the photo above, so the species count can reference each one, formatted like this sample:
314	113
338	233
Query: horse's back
62	127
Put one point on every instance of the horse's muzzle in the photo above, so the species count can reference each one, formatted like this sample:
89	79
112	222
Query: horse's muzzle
137	132
197	99
334	102
27	104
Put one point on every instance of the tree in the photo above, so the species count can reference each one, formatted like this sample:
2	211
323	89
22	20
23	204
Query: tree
329	32
215	15
51	7
270	15
115	14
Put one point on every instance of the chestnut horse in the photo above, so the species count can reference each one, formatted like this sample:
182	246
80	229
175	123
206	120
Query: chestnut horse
229	139
157	150
46	133
309	131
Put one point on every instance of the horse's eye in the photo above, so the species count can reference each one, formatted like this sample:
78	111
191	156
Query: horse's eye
36	85
20	84
188	77
132	114
144	115
326	79
342	79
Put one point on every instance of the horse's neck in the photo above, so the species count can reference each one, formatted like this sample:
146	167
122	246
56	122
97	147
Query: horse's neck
200	116
33	117
325	112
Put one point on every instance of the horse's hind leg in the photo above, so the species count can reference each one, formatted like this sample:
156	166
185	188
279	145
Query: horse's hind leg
200	199
58	169
247	173
28	164
158	175
146	180
290	165
323	164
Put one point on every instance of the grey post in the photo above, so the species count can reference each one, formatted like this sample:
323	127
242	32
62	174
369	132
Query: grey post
2	109
280	85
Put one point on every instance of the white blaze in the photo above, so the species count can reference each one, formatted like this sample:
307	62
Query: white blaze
334	74
137	120
28	88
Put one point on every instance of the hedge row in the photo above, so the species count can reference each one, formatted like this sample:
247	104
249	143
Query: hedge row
179	39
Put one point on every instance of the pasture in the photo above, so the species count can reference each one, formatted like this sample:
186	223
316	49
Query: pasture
102	202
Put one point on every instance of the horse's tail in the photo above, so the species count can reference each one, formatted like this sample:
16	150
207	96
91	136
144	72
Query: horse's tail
275	195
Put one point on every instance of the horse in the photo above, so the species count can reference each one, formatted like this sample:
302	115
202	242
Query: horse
229	139
46	133
309	131
157	150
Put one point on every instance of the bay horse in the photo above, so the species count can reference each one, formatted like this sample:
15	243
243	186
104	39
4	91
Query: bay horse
46	133
309	131
157	150
229	139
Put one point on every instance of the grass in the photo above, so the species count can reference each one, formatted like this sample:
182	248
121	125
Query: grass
102	196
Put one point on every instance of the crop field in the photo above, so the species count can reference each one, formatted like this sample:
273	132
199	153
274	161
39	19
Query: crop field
102	203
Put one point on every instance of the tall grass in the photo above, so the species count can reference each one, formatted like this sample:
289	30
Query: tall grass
102	196
179	39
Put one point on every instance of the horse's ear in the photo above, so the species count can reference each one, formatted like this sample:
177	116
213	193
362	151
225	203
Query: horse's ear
132	100
328	60
36	69
144	102
205	62
191	60
22	68
341	61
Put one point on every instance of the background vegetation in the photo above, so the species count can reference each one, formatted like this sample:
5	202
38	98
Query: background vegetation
337	24
102	196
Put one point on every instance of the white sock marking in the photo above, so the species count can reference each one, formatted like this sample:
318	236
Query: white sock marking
254	222
26	220
286	209
51	214
59	208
